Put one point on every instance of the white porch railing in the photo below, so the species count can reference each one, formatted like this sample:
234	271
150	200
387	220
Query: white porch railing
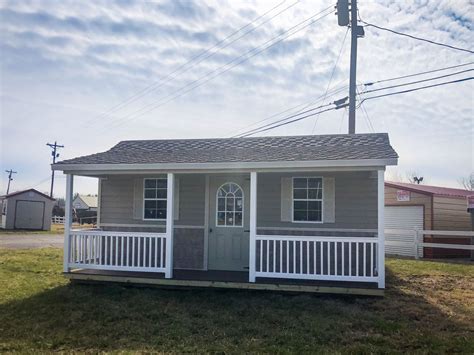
117	250
317	258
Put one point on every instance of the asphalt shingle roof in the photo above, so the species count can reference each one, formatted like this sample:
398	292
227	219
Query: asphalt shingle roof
253	149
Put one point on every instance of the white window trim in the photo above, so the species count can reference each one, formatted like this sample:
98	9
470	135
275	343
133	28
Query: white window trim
154	199
293	199
217	208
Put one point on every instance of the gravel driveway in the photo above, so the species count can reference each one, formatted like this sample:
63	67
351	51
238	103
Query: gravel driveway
28	241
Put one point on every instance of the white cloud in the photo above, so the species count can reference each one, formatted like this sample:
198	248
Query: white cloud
63	64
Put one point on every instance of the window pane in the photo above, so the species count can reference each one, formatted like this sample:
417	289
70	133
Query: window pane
300	182
161	214
221	192
221	219
150	213
150	183
315	193
300	215
238	193
315	183
238	218
221	204
314	205
238	204
162	183
300	193
300	205
161	193
230	204
161	204
150	193
314	216
229	219
150	204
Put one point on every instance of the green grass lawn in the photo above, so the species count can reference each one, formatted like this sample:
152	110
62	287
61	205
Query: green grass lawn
428	308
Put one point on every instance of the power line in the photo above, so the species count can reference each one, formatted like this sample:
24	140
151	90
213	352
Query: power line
296	120
415	89
207	77
283	119
305	106
418	81
178	70
332	74
416	74
417	38
367	118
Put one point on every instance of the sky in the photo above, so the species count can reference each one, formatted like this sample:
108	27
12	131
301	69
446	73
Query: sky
89	74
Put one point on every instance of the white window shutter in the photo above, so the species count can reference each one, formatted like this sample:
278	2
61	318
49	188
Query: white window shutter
176	199
286	198
329	200
138	198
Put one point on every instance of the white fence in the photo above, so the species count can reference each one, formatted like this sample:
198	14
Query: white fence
117	250
57	220
317	258
408	242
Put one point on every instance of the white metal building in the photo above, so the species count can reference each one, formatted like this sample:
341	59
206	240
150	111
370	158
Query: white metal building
28	209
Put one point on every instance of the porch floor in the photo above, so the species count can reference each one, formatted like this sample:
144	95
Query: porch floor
225	279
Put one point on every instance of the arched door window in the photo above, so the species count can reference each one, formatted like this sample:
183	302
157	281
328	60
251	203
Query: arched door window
230	205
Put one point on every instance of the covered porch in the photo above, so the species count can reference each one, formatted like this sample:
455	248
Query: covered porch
287	256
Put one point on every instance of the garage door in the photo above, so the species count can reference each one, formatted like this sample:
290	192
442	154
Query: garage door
399	225
29	215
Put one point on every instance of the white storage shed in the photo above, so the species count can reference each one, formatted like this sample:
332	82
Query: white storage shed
28	209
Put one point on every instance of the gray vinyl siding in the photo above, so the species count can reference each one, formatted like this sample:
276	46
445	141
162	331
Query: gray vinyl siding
356	200
117	201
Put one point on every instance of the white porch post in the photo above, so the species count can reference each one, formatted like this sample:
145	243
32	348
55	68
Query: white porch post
381	227
68	219
253	225
169	226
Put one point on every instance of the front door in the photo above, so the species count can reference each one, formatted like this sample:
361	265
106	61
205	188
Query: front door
229	223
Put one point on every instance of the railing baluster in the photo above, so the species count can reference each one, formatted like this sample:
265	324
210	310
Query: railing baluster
343	271
371	259
301	257
350	258
281	255
321	257
335	257
329	258
294	256
314	257
274	255
357	258
287	242
144	252
149	251
364	259
307	258
268	254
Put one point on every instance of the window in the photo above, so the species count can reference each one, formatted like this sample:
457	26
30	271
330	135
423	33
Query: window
230	204
154	196
307	199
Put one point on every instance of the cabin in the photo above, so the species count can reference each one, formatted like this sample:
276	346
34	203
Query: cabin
416	206
293	213
26	209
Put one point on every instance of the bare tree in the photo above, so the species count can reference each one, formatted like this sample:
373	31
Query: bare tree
395	176
467	182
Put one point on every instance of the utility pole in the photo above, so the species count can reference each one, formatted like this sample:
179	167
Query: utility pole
10	179
55	155
356	32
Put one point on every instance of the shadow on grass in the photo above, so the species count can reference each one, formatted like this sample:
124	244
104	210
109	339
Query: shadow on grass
79	317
